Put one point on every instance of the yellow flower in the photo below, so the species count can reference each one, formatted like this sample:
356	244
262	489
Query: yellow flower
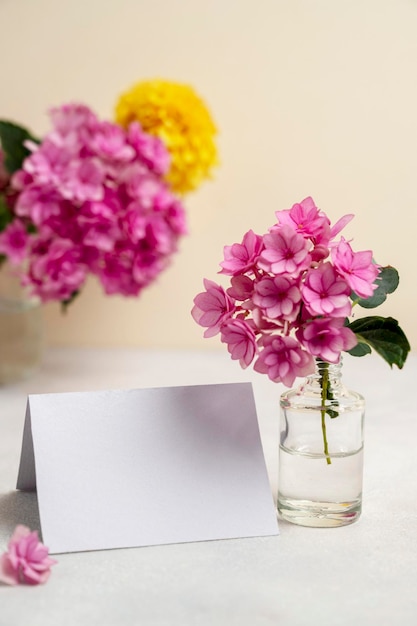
174	113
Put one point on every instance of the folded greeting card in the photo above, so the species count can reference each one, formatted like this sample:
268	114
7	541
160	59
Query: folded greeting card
143	467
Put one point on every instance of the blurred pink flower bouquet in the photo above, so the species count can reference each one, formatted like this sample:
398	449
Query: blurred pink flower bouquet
291	293
90	198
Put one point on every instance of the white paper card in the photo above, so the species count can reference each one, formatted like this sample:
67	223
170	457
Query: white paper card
143	467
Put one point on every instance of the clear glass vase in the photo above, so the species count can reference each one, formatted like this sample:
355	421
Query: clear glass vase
321	451
21	326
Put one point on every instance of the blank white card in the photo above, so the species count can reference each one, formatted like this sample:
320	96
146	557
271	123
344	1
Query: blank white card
142	467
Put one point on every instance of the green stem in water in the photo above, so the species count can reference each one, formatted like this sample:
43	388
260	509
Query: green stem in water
324	382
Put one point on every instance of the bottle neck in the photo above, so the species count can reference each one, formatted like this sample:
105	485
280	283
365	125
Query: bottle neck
329	371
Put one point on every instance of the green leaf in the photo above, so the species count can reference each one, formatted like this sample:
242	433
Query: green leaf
387	282
388	278
384	335
5	213
65	303
12	139
360	349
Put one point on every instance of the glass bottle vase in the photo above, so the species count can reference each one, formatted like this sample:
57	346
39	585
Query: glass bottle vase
321	451
21	329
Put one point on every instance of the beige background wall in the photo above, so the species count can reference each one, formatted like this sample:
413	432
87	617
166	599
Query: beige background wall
311	97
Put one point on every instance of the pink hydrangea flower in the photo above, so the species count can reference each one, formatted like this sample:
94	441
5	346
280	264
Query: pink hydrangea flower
14	242
279	297
26	560
97	197
240	340
149	149
319	253
73	118
146	267
212	308
158	235
356	267
241	257
241	287
289	299
313	224
117	273
306	219
99	234
135	222
141	185
110	207
56	269
83	180
265	324
326	338
38	203
110	143
48	162
326	293
175	216
283	359
286	252
340	224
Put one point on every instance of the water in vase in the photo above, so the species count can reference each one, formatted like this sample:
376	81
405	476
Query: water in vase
314	492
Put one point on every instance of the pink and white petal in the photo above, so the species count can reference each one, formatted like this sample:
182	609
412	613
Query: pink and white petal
8	574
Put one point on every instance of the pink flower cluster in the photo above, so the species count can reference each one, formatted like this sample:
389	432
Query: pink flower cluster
27	560
289	295
91	198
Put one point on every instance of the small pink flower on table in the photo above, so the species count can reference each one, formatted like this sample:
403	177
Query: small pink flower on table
26	559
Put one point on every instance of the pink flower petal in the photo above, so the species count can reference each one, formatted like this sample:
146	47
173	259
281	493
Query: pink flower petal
8	574
26	560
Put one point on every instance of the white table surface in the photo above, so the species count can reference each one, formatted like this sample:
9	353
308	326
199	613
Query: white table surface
362	574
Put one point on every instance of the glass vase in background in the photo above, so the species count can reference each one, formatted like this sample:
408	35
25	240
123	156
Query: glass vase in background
21	336
321	451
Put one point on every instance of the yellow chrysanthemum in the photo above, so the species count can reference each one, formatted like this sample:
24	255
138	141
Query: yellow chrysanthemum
174	113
